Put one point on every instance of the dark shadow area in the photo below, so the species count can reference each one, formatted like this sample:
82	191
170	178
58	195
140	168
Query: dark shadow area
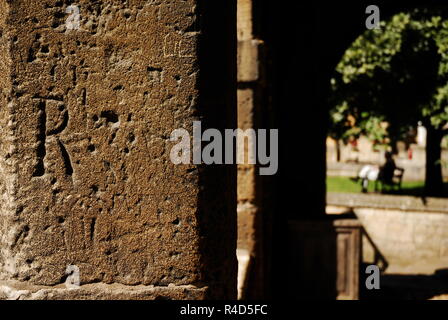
413	191
409	287
323	260
304	42
312	261
216	108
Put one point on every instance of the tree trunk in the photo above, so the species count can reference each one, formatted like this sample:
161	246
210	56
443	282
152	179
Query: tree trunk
434	178
338	150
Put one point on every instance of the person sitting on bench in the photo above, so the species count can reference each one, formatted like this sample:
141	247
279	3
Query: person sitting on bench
366	174
387	172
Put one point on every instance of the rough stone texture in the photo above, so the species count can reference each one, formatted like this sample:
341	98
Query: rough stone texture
85	118
401	234
249	60
12	290
250	88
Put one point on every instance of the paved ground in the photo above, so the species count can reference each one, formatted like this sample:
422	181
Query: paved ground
411	287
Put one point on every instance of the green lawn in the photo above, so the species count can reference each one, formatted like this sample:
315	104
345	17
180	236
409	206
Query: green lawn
346	185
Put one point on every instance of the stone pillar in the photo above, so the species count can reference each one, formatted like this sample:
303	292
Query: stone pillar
86	113
324	259
250	106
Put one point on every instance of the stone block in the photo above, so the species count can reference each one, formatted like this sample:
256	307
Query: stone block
86	117
247	186
249	55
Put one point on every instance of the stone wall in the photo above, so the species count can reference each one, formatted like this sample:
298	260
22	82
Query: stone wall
86	179
250	105
408	235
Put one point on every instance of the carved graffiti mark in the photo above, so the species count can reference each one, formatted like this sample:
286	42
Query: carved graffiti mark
61	127
53	120
184	49
169	46
84	97
74	76
41	150
66	159
73	21
92	229
175	45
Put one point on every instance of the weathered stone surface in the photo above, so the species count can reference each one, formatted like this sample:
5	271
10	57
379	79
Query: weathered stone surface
246	103
402	234
245	19
247	188
249	52
21	291
86	116
251	105
248	227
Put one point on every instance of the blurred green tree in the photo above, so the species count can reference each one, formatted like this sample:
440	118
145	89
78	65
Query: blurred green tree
396	74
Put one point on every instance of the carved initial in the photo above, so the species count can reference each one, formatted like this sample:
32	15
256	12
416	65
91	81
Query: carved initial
53	119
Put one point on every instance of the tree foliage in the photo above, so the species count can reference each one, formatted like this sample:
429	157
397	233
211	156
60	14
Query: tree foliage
396	74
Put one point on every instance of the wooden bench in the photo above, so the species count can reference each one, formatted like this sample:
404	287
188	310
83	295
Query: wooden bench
394	183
